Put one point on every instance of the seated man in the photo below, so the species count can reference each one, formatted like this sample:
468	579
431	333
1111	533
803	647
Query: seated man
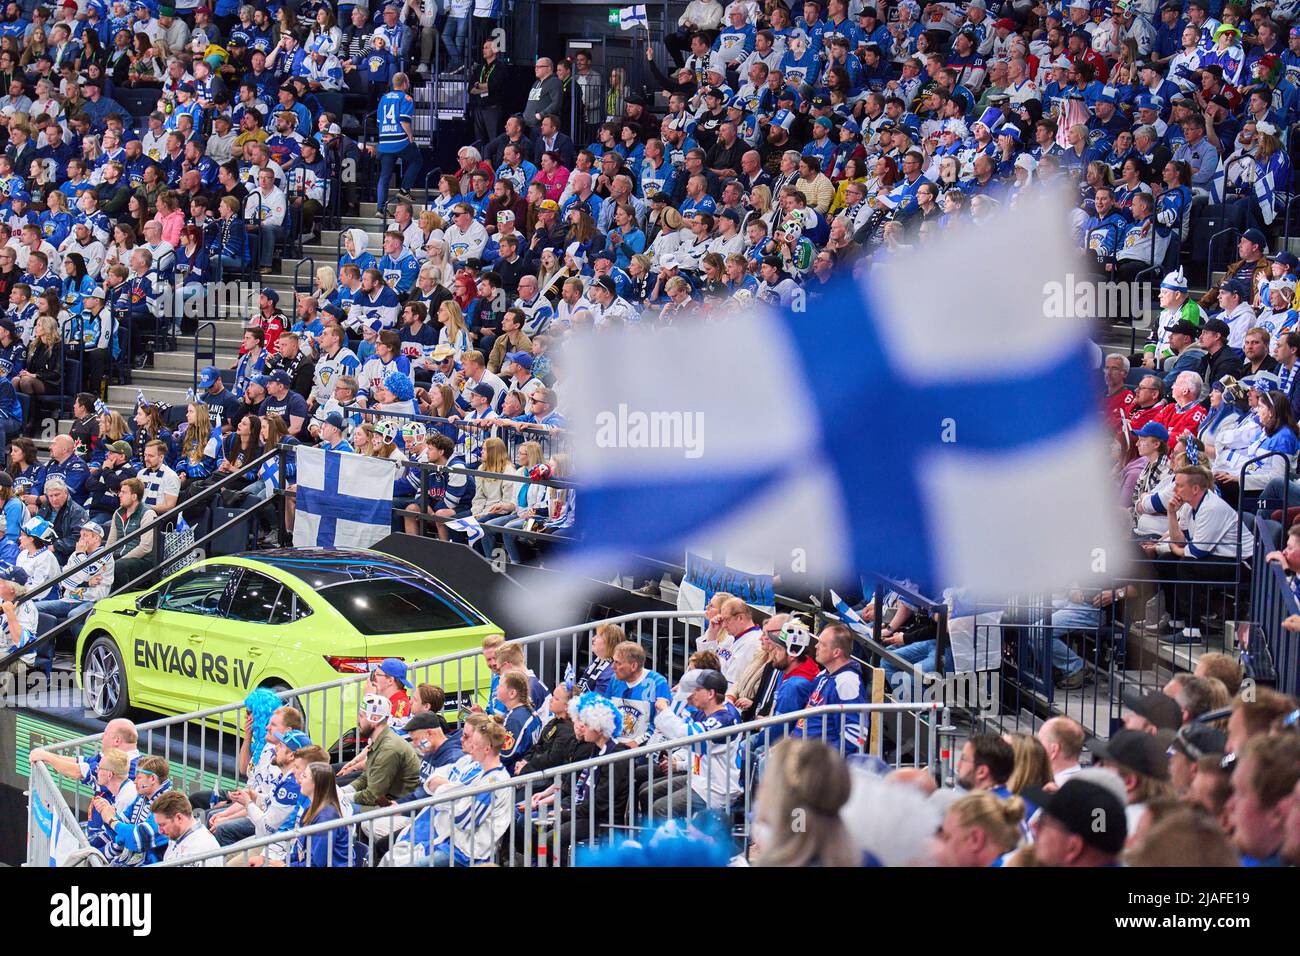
91	581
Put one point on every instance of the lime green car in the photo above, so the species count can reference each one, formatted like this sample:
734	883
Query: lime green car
208	634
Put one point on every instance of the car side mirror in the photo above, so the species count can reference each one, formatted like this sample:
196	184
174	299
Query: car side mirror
147	602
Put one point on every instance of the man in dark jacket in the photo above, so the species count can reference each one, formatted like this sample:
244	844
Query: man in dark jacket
1220	358
100	496
65	515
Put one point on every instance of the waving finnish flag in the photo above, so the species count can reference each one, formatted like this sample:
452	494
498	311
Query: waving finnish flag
1264	189
468	526
344	500
632	17
947	444
849	616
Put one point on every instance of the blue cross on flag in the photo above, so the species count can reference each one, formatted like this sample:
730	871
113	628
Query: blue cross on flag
344	500
631	17
950	434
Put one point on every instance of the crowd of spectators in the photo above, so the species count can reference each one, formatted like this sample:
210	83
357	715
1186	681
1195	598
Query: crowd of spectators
1205	772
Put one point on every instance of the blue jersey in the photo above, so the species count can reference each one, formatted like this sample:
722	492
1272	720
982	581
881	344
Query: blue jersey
394	107
636	704
522	727
845	686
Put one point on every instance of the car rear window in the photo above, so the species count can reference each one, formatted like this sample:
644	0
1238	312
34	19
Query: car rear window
378	606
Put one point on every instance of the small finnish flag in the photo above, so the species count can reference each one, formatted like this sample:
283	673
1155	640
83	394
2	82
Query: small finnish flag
849	616
631	17
468	526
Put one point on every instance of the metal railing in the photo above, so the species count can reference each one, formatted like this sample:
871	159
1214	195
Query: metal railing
200	744
522	834
49	821
159	564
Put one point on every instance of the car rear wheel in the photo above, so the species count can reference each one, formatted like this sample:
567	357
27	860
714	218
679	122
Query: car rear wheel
104	678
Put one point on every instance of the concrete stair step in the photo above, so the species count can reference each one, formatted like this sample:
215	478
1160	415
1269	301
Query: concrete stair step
123	396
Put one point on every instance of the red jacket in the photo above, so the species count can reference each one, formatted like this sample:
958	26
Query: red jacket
1179	420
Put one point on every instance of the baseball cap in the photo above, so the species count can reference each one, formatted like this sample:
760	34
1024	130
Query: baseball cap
92	526
483	390
271	294
334	419
1183	327
1198	740
1236	287
395	668
711	680
427	720
185	88
603	254
260	380
1160	709
1216	325
281	377
604	282
376	707
208	377
1255	236
1287	258
523	359
774	261
1148	754
11	572
293	739
1078	806
1153	430
121	447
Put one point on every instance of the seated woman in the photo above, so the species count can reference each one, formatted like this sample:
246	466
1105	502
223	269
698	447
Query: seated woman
1279	442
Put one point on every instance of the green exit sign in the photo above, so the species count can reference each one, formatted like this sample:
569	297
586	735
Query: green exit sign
613	16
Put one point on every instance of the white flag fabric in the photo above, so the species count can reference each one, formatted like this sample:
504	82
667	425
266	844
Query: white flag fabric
468	526
632	17
344	500
980	462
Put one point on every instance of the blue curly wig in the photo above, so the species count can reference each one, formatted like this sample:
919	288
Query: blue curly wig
401	386
261	703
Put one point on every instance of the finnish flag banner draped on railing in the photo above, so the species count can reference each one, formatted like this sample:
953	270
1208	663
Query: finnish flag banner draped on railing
344	500
958	444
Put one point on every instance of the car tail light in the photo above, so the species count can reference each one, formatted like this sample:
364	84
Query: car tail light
354	665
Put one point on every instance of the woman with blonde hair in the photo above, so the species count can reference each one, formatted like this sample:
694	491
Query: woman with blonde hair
760	204
492	496
430	226
979	830
454	333
807	781
327	281
529	499
112	427
44	371
437	264
1032	769
549	280
200	449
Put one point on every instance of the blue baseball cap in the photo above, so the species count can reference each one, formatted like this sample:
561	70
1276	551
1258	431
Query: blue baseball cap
293	739
1149	101
395	668
11	572
1153	430
261	380
280	377
522	359
335	419
208	377
1287	258
271	294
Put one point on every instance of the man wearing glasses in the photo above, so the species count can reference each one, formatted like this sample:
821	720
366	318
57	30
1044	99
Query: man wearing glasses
1148	401
465	237
9	272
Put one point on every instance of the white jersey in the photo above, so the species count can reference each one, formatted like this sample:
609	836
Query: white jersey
192	843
